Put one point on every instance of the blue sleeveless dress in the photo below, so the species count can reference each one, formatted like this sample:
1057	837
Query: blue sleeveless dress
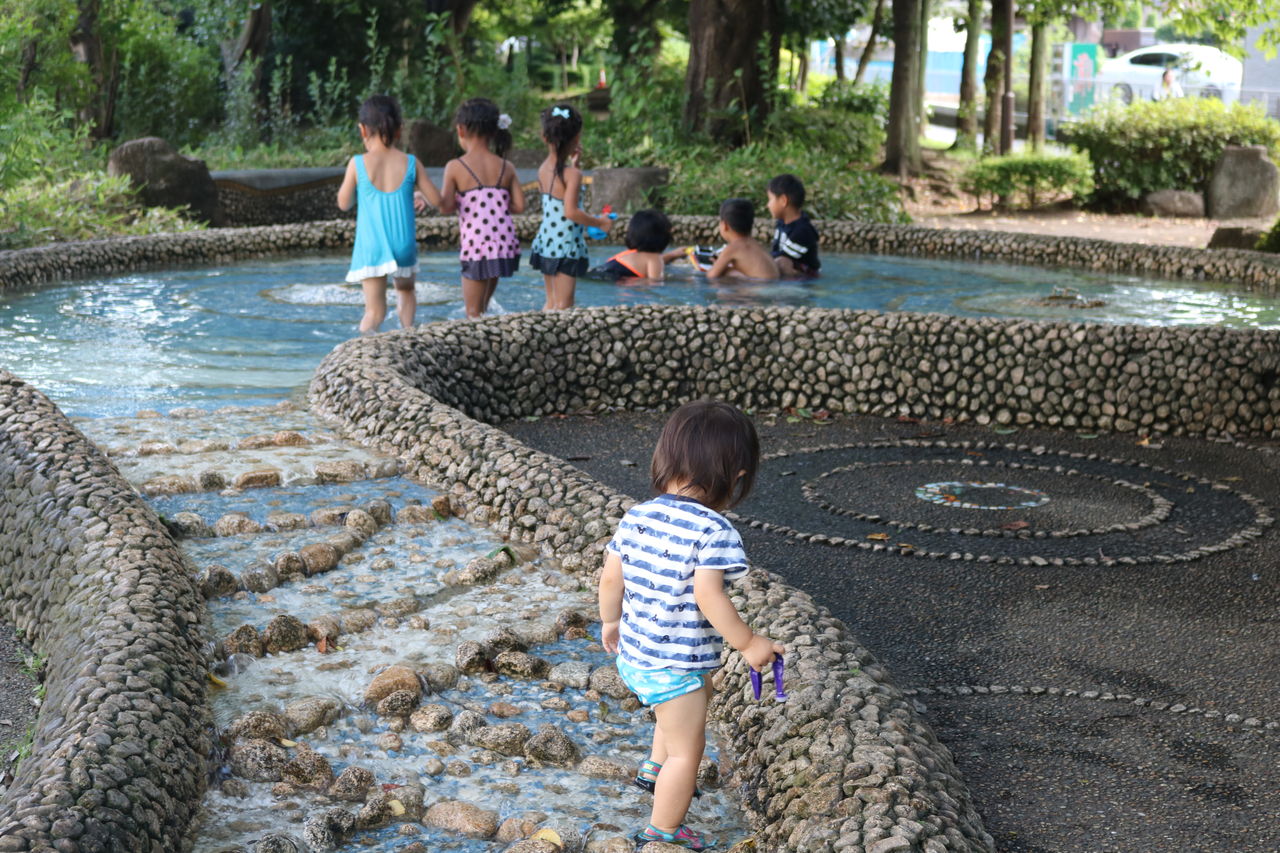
561	245
386	237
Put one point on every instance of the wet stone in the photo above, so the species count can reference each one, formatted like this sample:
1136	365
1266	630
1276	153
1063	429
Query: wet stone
285	634
258	760
606	680
339	471
263	478
572	673
521	665
279	520
217	581
395	678
244	640
551	746
352	784
471	658
308	769
319	557
256	724
307	715
504	738
431	718
188	524
236	523
399	703
462	818
260	578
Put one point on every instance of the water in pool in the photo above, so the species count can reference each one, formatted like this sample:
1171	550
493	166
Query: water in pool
253	331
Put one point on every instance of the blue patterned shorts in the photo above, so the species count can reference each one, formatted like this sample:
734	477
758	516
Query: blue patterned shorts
655	686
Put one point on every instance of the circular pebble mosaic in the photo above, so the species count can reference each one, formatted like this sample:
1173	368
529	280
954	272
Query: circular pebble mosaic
1000	503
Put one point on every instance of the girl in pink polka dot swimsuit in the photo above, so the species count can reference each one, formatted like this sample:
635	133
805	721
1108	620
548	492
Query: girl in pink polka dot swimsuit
484	189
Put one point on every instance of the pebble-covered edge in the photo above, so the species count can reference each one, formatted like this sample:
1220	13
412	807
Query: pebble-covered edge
96	584
846	764
1254	270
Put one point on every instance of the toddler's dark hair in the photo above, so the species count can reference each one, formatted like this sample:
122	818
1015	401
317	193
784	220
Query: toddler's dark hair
649	231
791	187
739	214
480	117
708	444
561	125
381	114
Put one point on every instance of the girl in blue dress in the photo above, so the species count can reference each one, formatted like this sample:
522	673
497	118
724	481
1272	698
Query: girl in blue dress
559	250
382	183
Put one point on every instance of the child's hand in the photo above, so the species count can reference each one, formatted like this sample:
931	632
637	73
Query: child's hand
609	637
420	202
761	651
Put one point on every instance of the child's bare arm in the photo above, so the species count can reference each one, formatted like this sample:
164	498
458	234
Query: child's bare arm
572	188
427	188
449	189
724	264
713	601
675	255
610	601
517	192
347	192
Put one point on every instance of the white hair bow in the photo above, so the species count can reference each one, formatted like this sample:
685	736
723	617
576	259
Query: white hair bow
504	121
560	112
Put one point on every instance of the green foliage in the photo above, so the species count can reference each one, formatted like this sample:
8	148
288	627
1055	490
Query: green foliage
1029	179
85	208
169	84
1165	145
645	113
1270	242
837	188
870	99
854	136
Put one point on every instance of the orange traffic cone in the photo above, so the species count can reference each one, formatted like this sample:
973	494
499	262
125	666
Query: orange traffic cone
602	82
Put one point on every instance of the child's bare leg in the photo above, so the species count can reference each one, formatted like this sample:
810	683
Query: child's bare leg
375	303
683	722
491	287
549	283
474	297
560	291
406	301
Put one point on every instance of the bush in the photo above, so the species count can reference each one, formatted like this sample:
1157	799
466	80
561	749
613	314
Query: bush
853	136
86	208
1270	242
1165	145
1029	179
870	99
836	187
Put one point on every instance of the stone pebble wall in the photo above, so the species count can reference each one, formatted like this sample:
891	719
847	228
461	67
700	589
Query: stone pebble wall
246	206
95	583
1253	270
846	764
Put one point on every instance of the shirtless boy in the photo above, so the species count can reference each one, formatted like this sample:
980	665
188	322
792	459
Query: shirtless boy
742	256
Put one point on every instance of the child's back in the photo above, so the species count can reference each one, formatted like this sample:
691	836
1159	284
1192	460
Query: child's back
742	257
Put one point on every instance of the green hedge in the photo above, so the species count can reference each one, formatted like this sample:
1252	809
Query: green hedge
1029	179
1165	145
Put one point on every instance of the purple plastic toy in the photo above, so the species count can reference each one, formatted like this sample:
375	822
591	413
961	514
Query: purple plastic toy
778	667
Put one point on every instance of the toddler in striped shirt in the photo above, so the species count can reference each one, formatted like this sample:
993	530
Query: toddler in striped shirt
663	602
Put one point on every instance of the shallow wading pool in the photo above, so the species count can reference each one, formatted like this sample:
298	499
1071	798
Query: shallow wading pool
253	331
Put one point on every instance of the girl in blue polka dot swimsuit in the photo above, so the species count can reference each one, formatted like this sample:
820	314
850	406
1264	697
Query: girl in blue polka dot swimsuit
559	251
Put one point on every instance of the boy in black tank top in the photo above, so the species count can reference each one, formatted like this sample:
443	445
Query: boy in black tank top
795	240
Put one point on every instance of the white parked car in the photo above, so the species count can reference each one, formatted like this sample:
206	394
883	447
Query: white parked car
1199	70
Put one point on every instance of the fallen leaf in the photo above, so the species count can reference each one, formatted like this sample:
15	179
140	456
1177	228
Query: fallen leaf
1016	525
879	537
1145	441
322	646
286	743
1005	430
1232	479
390	786
1191	490
213	679
905	546
1043	585
974	453
907	419
397	807
548	835
1086	435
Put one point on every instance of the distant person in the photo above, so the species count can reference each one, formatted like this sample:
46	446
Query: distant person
482	186
665	611
742	256
1169	86
648	235
559	250
381	183
795	240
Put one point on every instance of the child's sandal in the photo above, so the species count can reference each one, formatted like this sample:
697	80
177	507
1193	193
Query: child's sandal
647	777
682	837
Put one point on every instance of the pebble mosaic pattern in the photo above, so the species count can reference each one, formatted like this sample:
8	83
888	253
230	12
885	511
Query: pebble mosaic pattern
1104	511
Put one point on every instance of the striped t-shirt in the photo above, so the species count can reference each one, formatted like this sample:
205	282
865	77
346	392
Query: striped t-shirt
661	543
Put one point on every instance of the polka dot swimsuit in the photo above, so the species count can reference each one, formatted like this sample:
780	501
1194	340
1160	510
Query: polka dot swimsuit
490	248
561	245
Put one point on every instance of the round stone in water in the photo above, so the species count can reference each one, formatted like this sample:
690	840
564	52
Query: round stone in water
968	495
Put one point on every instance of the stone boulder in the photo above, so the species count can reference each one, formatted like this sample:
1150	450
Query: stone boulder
1245	184
307	715
1183	203
462	818
258	760
285	633
551	746
431	144
393	679
627	190
166	178
1235	237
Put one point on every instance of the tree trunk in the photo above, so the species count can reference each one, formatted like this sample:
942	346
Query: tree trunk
803	82
1035	97
30	54
922	65
877	21
902	146
839	56
726	94
993	80
967	113
86	47
253	41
